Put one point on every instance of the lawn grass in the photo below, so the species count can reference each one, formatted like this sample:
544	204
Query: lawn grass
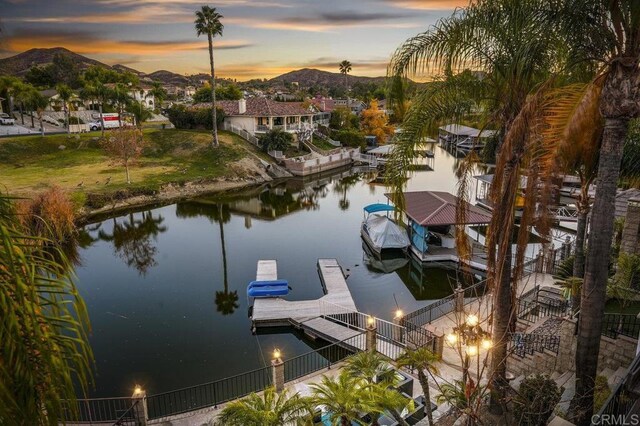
323	144
31	164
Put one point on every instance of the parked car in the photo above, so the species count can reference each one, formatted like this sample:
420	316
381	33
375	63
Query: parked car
5	119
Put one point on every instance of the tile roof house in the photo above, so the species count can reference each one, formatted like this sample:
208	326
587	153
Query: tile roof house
325	107
259	115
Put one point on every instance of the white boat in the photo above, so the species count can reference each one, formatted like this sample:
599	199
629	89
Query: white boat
381	232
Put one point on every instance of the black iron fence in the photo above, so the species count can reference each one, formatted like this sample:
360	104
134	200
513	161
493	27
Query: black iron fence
623	400
322	358
614	325
442	307
208	394
523	344
533	309
100	410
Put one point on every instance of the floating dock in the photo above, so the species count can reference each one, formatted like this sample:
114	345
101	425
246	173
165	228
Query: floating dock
314	316
275	311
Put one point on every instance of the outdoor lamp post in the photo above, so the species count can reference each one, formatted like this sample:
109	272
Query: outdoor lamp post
371	334
277	370
473	338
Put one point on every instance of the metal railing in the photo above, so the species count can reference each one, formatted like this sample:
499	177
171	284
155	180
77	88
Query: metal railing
623	400
614	325
323	358
523	344
532	310
208	394
99	410
443	306
129	417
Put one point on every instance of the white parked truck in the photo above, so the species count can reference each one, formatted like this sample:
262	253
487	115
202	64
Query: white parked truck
111	121
5	119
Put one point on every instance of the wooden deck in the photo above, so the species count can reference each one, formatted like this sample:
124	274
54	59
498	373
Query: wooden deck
276	311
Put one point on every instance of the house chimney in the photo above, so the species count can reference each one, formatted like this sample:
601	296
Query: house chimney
242	106
324	105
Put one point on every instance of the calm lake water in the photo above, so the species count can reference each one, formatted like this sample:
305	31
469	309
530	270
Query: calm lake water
168	312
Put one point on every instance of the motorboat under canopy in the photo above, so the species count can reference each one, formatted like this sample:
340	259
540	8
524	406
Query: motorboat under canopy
385	234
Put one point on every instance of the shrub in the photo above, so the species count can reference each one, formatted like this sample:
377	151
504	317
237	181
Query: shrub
352	138
536	400
601	393
184	117
49	215
276	140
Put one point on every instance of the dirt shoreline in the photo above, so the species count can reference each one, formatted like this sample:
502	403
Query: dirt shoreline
169	194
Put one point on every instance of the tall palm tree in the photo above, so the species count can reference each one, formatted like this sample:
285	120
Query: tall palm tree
226	301
270	409
508	43
44	352
96	91
208	22
345	69
65	94
424	361
38	103
158	92
343	399
119	96
610	39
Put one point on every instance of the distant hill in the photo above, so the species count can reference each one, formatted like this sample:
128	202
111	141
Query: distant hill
124	68
307	77
19	64
168	77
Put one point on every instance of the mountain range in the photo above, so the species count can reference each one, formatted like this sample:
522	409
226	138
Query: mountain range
19	64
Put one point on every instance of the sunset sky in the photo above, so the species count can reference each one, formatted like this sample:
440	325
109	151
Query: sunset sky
262	38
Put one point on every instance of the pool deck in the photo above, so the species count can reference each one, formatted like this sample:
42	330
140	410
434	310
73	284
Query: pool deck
276	311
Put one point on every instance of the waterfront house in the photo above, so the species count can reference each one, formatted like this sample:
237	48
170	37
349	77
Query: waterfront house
324	107
259	115
431	221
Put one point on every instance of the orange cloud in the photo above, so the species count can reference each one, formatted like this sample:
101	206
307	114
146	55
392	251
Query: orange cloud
83	45
430	4
309	25
158	14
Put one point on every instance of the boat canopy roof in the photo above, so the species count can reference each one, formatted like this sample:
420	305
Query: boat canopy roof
379	207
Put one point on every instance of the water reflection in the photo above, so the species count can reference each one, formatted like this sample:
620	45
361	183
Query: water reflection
133	239
226	301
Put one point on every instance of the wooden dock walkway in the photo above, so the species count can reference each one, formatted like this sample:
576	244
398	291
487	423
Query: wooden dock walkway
316	317
274	311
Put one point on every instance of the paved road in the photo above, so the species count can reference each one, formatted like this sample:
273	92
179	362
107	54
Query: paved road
17	130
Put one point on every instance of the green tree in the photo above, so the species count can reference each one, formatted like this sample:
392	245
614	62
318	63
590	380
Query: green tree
342	118
45	351
7	87
120	97
276	140
96	92
514	67
158	92
270	409
38	103
345	69
126	146
208	23
65	94
535	400
343	400
423	360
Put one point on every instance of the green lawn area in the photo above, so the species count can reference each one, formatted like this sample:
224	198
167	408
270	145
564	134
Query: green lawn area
31	164
323	144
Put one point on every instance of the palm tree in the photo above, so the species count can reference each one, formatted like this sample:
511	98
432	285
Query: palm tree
96	91
208	22
119	95
65	94
610	39
345	69
7	86
424	361
38	103
512	68
44	353
343	399
158	92
464	397
270	409
378	378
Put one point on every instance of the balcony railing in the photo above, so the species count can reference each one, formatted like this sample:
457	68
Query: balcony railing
262	128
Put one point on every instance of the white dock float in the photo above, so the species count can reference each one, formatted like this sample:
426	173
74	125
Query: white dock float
275	311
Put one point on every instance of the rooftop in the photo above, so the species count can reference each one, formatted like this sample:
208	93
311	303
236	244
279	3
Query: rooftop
460	130
436	208
260	107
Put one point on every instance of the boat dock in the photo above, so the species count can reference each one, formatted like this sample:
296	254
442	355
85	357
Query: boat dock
275	311
333	317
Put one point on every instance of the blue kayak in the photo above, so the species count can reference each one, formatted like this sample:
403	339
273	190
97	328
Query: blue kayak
268	283
268	290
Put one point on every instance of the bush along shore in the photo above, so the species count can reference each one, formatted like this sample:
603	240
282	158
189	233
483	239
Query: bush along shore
172	165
